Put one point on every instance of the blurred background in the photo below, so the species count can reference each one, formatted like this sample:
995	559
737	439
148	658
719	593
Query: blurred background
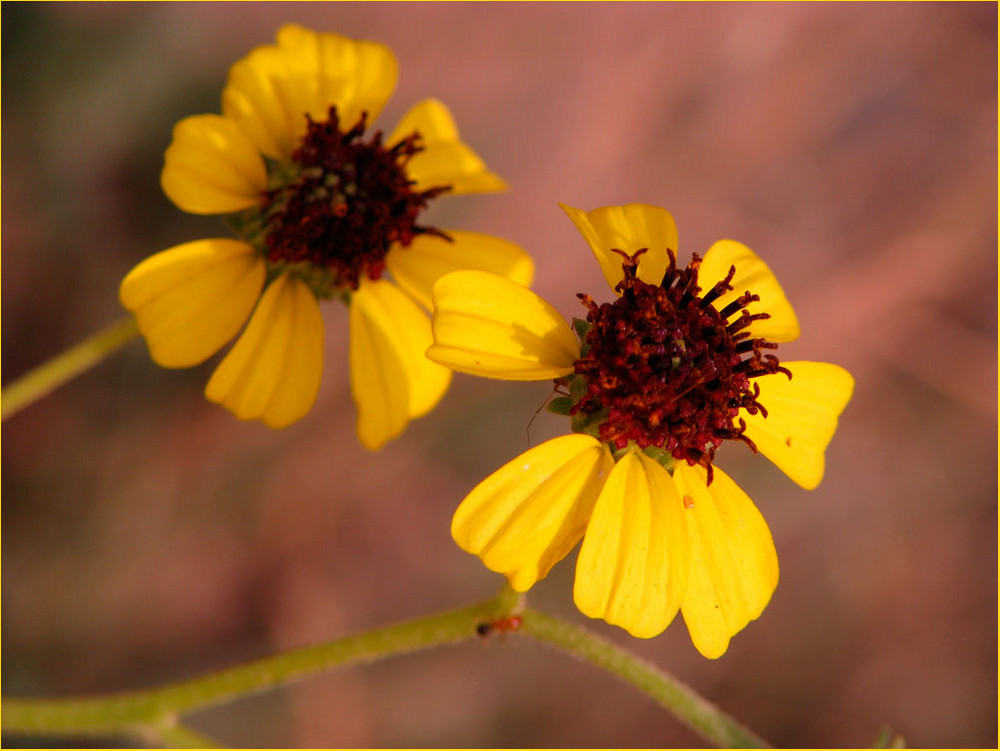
150	536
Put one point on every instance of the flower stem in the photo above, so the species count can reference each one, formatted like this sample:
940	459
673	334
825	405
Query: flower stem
176	735
153	713
694	711
150	711
35	384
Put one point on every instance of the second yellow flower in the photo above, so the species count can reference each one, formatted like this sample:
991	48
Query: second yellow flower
321	209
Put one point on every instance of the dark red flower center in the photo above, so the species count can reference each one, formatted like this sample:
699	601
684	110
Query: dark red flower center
664	368
345	203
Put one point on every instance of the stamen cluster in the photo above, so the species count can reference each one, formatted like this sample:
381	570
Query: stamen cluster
664	368
349	202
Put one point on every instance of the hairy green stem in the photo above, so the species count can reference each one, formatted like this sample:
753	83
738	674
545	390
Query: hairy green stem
36	383
141	712
694	711
153	713
176	735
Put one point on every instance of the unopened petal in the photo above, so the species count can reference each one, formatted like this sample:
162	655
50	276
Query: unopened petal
445	159
211	167
529	514
272	89
801	417
428	258
633	564
273	372
752	275
489	326
734	567
392	380
191	299
628	228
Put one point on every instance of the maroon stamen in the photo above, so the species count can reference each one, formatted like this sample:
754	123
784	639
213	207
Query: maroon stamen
349	203
664	368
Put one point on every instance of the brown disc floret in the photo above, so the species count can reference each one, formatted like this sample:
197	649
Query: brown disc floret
664	368
346	202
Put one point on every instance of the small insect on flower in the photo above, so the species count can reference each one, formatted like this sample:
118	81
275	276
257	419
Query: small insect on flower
500	625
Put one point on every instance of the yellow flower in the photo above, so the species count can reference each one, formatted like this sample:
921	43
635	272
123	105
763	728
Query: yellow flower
320	211
654	382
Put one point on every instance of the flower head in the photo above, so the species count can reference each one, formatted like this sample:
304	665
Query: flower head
655	382
323	207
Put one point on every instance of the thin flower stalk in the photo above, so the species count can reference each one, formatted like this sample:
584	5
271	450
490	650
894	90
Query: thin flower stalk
690	708
63	368
156	712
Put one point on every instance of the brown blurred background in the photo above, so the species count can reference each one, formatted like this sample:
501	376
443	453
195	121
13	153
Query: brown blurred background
150	536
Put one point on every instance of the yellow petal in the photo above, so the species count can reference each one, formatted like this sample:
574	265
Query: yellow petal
273	372
489	326
392	380
628	228
445	158
801	417
211	167
734	567
528	515
191	299
752	275
428	258
633	564
272	89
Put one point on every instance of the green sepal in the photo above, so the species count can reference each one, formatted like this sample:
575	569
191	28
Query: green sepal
577	387
249	226
617	453
561	405
661	457
589	424
582	328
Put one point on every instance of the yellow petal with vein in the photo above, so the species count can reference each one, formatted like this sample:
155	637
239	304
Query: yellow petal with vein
734	567
272	89
528	515
445	159
273	372
392	380
801	417
489	326
191	299
428	258
628	228
633	564
752	275
211	167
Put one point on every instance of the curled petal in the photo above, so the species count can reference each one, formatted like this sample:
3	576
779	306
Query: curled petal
752	275
428	258
211	167
801	417
445	159
734	567
273	371
489	326
628	228
392	380
633	564
272	89
529	514
191	299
